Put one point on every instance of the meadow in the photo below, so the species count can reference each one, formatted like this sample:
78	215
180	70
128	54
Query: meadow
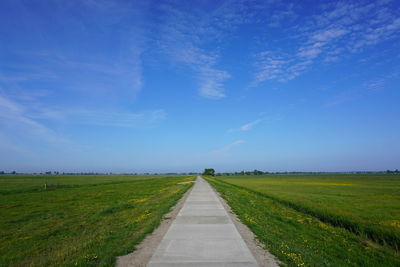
320	220
80	220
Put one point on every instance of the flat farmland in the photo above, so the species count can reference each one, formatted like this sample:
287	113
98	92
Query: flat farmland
329	219
80	220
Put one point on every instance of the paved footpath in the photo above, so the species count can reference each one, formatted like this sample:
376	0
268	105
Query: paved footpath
202	235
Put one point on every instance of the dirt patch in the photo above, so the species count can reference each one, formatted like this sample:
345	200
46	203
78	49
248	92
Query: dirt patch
372	244
145	250
262	256
188	182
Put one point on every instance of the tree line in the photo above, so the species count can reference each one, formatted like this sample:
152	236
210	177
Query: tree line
211	172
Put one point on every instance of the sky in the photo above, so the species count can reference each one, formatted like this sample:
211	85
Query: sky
179	86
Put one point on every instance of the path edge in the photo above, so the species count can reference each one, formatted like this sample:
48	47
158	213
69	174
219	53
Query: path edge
263	257
145	249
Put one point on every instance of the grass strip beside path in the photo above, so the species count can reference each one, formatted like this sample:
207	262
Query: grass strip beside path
299	239
82	224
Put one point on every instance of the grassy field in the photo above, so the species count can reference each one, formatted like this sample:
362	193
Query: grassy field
320	220
80	220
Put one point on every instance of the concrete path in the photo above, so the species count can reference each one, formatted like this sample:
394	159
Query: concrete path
202	235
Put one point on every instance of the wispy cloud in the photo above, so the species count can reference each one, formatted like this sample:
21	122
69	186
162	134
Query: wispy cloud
212	85
194	38
112	118
369	87
280	67
106	117
133	17
250	125
79	62
327	37
128	69
7	144
31	122
225	151
15	119
247	126
211	79
181	44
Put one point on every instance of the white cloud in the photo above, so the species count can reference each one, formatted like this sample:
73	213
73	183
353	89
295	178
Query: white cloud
249	125
211	79
326	35
212	83
309	52
225	151
186	34
30	122
338	29
280	67
100	117
8	107
15	119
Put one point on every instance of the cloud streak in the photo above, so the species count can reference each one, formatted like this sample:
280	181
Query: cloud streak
143	119
30	122
194	39
15	119
225	151
247	127
327	37
250	125
369	87
180	42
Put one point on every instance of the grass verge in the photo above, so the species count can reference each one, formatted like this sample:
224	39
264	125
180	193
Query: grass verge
80	221
366	204
298	238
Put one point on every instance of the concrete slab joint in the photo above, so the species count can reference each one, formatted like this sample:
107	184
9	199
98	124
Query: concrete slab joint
202	235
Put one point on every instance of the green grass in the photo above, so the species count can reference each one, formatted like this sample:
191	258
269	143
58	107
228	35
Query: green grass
320	220
80	220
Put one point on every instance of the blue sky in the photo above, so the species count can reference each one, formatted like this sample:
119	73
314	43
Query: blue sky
165	86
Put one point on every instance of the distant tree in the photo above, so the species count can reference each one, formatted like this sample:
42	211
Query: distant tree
396	171
13	172
2	172
209	171
257	172
48	172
